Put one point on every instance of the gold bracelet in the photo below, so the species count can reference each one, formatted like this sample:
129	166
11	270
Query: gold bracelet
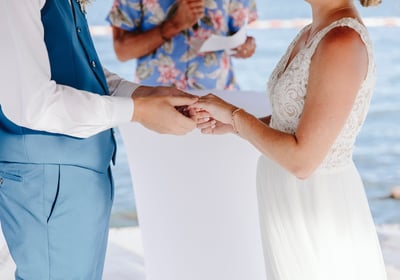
234	112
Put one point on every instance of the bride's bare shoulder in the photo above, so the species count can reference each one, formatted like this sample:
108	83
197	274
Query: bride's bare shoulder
343	45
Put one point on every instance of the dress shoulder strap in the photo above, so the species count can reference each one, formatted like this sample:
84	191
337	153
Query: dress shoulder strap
348	22
351	23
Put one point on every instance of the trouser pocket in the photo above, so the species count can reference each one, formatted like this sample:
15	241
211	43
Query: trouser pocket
6	177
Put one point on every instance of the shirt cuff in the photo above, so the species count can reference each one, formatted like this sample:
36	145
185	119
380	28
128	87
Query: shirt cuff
125	89
123	105
122	110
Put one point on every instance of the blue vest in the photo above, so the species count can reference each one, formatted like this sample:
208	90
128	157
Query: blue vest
73	62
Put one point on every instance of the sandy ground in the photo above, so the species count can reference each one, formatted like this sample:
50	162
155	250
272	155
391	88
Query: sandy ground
125	254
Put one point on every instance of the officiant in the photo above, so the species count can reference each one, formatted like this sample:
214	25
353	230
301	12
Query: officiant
165	36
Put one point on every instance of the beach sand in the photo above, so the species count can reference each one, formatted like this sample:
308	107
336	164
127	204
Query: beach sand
125	259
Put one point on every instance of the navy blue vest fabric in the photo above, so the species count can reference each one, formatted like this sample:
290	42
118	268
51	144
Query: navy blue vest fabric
74	62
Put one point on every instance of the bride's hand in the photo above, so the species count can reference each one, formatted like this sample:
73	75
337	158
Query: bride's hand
220	113
218	109
198	115
215	127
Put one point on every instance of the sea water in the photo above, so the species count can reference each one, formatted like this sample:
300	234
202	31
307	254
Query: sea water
377	152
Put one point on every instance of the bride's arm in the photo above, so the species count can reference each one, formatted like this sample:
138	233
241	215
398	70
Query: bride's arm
332	88
266	120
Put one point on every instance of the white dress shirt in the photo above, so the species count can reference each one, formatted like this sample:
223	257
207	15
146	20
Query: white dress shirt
28	96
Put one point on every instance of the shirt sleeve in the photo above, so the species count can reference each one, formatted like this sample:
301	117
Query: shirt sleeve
122	90
126	14
31	99
253	15
239	12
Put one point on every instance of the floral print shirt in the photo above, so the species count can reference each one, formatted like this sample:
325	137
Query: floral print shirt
177	62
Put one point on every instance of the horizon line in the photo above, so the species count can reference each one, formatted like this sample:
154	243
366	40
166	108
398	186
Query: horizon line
105	30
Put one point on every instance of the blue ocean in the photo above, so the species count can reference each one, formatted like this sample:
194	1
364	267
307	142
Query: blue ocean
377	153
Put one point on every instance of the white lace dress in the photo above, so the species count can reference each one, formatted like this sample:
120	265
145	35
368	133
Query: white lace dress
319	228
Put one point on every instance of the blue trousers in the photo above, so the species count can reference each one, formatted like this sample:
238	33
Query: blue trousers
55	220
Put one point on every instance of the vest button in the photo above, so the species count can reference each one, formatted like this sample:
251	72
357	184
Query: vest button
93	64
1	181
78	29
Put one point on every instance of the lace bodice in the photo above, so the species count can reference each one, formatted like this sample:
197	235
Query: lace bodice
288	88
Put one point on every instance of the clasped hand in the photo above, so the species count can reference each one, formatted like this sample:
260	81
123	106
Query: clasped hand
168	110
212	114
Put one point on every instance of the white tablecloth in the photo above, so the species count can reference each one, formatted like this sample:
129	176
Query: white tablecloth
196	200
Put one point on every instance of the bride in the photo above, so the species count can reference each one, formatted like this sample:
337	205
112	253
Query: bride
314	215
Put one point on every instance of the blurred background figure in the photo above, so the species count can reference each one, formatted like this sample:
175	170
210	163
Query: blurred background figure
164	37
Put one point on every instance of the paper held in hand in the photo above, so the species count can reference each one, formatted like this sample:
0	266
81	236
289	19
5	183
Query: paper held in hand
227	43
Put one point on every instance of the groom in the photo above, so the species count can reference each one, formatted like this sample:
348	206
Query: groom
57	108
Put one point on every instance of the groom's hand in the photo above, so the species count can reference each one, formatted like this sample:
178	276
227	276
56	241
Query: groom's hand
157	108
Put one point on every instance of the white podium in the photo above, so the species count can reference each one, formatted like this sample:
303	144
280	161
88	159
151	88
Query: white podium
196	200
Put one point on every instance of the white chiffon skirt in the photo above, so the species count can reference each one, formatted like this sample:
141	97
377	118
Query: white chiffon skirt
319	228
